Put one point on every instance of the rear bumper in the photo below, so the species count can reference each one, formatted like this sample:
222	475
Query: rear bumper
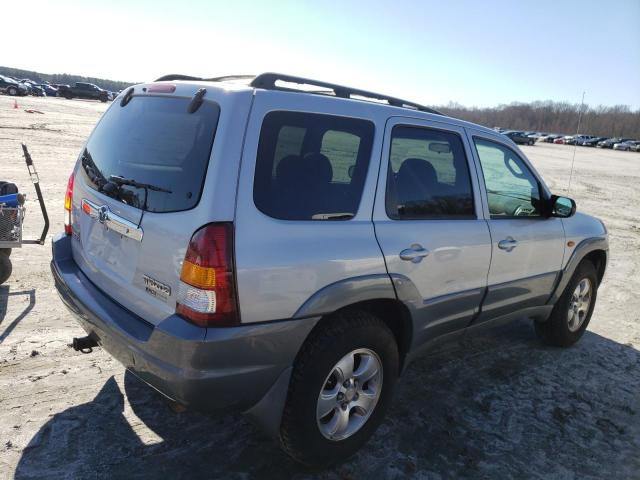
206	369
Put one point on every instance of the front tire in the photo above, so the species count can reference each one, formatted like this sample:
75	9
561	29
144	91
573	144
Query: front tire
340	388
12	91
571	314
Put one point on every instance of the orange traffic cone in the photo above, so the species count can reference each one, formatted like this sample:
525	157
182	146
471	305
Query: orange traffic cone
15	103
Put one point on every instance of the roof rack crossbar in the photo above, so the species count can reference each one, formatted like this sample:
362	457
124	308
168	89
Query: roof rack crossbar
268	81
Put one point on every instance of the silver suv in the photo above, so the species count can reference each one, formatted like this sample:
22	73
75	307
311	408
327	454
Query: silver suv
286	247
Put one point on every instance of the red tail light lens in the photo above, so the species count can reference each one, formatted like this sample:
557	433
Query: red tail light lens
68	198
207	293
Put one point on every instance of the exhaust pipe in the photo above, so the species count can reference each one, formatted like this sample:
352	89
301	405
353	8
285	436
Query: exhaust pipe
84	344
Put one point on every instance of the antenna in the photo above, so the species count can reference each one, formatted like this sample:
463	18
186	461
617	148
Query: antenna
575	145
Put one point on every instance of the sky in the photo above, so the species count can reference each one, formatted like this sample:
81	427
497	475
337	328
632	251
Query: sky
477	53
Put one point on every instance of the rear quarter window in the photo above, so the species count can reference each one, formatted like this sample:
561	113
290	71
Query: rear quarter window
311	166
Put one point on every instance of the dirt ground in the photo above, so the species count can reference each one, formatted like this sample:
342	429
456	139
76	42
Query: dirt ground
495	406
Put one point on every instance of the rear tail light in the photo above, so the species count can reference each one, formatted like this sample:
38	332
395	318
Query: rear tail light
68	198
207	294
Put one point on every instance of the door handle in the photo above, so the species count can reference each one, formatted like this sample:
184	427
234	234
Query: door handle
414	254
507	244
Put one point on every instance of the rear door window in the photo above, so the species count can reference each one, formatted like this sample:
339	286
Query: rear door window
428	176
311	166
155	141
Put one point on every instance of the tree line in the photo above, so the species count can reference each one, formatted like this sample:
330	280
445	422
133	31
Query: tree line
64	78
541	116
553	117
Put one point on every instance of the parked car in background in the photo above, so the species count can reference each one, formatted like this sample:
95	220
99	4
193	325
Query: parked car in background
83	90
50	90
559	140
537	135
12	87
591	142
519	137
574	139
26	85
551	138
609	143
308	328
38	91
636	147
625	146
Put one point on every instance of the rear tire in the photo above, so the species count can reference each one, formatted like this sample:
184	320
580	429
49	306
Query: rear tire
5	268
317	382
570	316
12	91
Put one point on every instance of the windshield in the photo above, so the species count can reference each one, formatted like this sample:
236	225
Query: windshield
154	141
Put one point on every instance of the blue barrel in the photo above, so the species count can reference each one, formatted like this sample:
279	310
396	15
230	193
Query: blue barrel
12	200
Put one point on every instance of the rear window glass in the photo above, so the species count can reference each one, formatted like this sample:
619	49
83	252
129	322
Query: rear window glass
311	166
154	141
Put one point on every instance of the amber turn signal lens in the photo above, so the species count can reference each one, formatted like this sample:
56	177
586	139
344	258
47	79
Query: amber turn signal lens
197	276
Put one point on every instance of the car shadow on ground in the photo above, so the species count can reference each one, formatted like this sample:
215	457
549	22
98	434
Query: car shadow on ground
498	405
4	307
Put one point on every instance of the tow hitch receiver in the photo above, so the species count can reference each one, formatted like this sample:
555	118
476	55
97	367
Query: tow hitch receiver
84	344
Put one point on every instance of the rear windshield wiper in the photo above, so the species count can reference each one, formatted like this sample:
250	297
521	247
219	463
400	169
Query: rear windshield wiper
132	183
332	216
92	170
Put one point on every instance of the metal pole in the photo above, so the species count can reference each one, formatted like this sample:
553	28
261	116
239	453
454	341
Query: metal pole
575	145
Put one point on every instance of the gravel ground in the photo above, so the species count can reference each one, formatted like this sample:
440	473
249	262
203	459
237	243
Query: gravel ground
497	405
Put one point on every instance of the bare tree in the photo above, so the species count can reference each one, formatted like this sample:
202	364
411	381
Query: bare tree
553	117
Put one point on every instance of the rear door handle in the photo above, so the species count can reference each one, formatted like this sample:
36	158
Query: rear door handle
414	254
507	244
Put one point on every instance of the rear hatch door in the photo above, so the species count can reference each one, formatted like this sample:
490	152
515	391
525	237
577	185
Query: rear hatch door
138	185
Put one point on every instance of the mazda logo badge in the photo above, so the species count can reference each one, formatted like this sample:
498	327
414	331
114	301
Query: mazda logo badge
103	214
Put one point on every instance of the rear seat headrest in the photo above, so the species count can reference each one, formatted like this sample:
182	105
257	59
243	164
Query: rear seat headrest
319	167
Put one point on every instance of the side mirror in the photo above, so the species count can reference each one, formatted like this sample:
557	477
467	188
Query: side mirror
562	207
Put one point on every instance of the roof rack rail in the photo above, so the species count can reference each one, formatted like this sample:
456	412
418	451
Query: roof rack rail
230	77
178	76
268	82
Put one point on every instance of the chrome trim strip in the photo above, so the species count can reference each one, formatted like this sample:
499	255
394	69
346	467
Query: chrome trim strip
112	221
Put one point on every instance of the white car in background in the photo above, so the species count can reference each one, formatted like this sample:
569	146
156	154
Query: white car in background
625	146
